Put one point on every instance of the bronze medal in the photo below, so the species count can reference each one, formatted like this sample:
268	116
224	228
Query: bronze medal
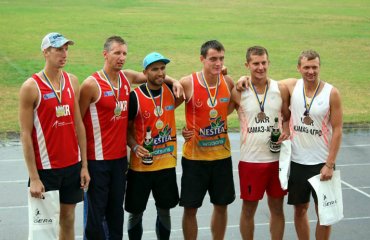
307	120
261	116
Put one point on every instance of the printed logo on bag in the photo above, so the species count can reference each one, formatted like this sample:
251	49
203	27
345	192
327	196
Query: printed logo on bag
39	219
327	203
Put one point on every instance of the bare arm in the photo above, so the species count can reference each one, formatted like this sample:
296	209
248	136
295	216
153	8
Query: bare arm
28	97
186	83
336	120
139	78
235	97
289	83
81	134
139	150
230	85
285	96
88	94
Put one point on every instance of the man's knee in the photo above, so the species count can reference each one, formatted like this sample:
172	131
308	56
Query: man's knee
67	215
300	210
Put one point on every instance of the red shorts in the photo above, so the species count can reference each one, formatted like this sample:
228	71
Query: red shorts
256	178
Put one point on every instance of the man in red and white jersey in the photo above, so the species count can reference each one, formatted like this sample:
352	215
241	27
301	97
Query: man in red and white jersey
52	132
104	107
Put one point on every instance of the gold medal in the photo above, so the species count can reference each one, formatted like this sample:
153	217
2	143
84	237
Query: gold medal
213	113
117	111
261	116
159	124
307	120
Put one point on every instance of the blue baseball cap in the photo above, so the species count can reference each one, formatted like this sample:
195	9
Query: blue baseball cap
154	57
55	40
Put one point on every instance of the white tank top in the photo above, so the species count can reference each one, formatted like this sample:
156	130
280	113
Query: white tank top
255	134
310	143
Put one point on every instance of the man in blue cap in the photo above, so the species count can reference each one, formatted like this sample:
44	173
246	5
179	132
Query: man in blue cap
52	132
152	139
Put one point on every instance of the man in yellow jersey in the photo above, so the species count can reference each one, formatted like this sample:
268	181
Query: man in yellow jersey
206	158
152	139
257	107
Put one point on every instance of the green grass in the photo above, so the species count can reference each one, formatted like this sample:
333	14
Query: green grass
338	30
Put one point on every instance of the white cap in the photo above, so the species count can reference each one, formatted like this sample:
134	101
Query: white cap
55	40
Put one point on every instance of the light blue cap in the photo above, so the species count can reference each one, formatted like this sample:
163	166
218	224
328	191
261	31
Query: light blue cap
154	57
55	40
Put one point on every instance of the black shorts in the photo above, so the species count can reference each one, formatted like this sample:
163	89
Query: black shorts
162	184
298	186
198	177
66	180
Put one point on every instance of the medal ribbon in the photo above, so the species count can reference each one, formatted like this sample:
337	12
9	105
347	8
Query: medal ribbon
212	99
59	97
153	100
261	103
306	105
111	85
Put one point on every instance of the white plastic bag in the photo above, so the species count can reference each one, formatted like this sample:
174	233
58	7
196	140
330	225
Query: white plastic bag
284	163
43	216
329	196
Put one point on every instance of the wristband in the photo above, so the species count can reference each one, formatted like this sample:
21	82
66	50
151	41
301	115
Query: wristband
135	148
327	165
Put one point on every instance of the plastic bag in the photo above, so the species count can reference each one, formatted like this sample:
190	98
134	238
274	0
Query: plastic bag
43	216
329	196
284	163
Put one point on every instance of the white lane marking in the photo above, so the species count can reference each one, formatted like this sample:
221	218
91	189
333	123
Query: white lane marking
356	189
14	181
180	153
358	145
11	160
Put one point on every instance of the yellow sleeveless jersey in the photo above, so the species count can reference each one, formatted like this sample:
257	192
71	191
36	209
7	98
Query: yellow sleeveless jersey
208	119
163	134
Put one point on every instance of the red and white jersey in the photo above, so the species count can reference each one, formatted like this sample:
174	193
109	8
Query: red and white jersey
255	133
310	143
54	138
106	132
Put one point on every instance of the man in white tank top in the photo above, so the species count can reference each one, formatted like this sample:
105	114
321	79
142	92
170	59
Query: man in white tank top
257	107
316	133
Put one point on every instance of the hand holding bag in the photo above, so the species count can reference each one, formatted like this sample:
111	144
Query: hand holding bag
329	196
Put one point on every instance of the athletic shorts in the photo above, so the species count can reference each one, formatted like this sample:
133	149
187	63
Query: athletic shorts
66	180
198	177
298	186
258	178
161	183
